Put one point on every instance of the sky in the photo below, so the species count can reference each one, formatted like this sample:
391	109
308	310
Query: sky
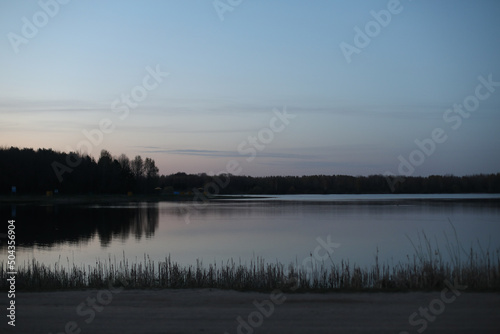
282	87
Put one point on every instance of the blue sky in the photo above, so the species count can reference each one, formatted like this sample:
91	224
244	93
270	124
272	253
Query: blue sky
228	78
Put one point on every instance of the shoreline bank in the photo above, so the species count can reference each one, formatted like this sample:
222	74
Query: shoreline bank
217	311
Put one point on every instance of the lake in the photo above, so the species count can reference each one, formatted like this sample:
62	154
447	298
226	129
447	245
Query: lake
285	228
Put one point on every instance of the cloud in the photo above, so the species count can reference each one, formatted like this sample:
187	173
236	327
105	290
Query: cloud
14	105
224	153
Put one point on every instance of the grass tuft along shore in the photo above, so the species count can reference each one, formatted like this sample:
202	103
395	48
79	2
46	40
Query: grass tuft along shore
426	270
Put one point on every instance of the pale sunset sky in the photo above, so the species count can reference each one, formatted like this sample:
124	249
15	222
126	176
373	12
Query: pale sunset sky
362	83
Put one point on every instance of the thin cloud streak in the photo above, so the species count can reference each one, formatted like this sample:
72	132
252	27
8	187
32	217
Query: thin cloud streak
227	154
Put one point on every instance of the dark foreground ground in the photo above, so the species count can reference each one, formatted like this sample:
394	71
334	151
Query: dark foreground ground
215	311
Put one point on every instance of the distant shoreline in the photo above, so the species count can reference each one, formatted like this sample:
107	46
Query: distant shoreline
117	198
79	199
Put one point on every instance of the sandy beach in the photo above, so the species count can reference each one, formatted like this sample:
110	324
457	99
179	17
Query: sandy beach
216	311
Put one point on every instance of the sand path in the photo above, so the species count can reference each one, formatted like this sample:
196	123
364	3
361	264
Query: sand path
216	311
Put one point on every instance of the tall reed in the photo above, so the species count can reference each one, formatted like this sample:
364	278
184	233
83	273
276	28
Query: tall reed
425	270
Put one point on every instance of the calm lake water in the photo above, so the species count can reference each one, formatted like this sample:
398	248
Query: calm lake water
281	228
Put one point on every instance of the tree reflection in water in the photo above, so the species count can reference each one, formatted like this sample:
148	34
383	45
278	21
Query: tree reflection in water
49	225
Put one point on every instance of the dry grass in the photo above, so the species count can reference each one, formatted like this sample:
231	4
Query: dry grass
426	270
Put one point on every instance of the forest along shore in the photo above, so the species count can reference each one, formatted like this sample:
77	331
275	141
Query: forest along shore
44	171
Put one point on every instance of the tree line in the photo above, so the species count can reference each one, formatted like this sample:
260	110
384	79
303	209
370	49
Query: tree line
35	172
331	184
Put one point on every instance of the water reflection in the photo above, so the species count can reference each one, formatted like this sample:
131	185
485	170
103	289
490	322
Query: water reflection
276	231
50	225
